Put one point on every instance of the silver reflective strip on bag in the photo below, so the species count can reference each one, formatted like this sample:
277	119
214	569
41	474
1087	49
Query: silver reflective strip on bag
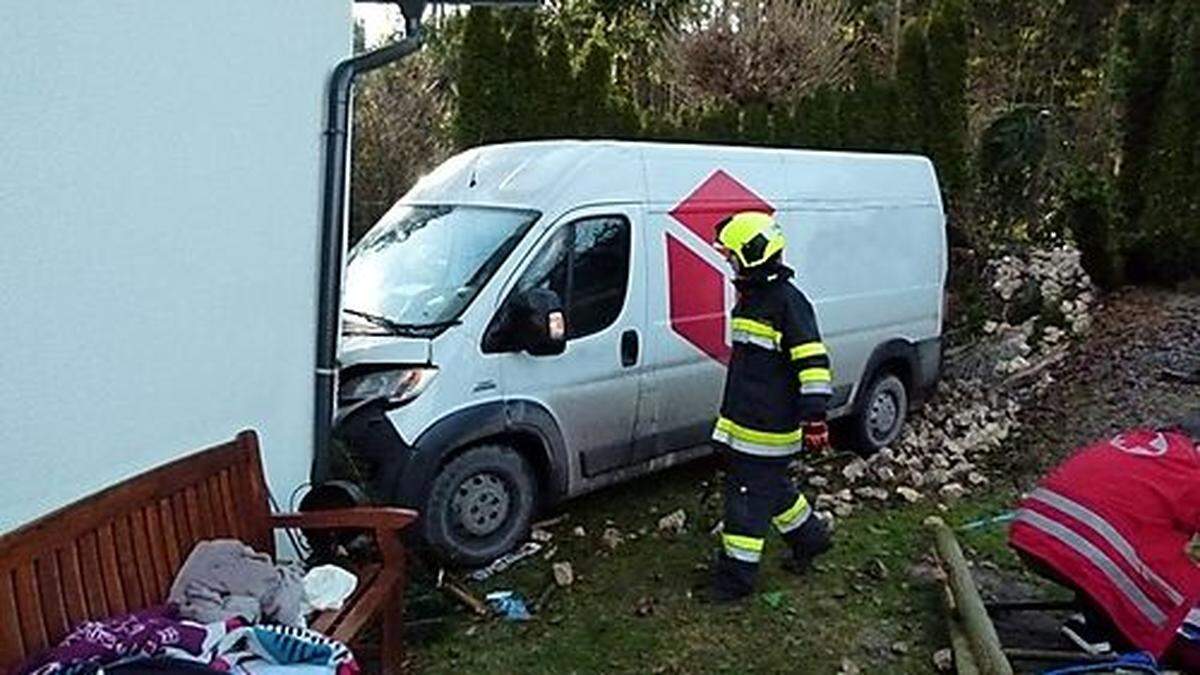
1097	558
1102	527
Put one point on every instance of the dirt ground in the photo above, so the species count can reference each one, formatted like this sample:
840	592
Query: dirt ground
871	606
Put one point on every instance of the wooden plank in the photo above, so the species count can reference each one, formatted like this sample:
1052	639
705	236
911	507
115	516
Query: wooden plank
110	572
968	605
127	562
236	526
143	560
29	610
93	575
163	574
170	537
391	655
182	525
196	522
221	516
325	622
964	658
54	607
255	498
357	615
12	643
72	583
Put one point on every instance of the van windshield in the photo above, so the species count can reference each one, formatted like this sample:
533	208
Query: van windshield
420	266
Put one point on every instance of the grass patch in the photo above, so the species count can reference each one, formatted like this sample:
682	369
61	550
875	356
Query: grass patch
872	599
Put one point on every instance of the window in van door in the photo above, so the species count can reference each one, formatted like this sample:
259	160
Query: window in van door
587	265
599	274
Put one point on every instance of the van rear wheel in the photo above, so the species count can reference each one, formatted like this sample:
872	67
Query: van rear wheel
880	419
480	505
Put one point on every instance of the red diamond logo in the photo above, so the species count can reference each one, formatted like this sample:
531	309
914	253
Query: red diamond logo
697	287
717	198
697	294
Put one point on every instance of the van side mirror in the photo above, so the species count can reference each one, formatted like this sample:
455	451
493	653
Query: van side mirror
540	326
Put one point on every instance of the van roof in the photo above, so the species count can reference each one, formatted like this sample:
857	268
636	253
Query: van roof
559	174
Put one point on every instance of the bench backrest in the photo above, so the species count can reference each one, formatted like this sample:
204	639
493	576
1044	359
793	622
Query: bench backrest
119	550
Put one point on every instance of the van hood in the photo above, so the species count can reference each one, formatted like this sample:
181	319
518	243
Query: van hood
384	349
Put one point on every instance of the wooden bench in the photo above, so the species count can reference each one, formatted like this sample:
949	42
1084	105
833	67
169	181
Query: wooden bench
119	550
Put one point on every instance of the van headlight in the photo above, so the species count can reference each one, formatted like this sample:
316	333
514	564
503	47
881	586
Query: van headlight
398	386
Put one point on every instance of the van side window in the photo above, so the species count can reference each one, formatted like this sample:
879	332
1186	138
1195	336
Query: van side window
599	274
587	264
549	267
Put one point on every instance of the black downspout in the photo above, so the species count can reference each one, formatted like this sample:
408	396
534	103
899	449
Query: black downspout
333	225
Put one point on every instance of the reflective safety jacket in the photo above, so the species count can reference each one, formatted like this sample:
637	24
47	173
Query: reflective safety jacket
779	373
1115	520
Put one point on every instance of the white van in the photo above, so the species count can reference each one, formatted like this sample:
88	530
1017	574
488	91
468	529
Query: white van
457	398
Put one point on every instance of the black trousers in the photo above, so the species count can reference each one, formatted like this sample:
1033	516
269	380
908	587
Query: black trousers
759	494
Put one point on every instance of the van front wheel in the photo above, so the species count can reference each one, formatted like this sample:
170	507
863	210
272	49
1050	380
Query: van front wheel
480	505
881	417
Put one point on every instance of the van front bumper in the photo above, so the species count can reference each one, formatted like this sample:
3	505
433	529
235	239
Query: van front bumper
370	452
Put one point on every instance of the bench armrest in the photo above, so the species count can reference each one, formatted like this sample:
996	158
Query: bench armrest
356	518
384	521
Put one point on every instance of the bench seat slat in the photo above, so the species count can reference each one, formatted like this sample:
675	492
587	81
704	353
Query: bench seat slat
50	592
72	583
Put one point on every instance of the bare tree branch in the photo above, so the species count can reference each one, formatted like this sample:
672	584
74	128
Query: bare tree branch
765	51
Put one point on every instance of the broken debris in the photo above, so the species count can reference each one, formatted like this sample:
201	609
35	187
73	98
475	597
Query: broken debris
504	562
673	523
509	604
644	606
611	538
564	574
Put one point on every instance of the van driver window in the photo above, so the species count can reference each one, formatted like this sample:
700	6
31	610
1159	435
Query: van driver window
599	274
592	280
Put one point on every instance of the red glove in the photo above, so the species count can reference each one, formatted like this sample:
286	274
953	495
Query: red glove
816	436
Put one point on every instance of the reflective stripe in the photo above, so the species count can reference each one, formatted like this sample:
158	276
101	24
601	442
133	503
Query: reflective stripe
746	549
762	437
809	350
757	449
815	375
817	388
752	339
761	443
1096	557
758	329
794	517
1109	533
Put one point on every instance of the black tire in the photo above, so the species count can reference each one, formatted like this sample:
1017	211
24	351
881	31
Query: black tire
881	415
480	506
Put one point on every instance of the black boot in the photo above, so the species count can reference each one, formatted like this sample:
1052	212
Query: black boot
732	582
812	539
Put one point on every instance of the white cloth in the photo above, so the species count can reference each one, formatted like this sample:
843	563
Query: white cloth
327	587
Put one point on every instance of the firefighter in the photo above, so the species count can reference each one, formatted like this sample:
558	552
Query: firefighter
777	388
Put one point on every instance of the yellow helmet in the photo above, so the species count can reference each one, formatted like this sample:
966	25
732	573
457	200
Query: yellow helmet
754	237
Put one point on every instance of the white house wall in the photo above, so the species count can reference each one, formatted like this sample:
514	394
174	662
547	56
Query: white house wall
159	205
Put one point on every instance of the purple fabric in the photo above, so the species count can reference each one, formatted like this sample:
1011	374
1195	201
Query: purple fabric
152	632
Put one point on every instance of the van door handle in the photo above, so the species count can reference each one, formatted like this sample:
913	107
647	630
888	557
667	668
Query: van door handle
629	348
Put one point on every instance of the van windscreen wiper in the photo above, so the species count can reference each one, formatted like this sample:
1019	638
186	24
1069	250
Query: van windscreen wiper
402	329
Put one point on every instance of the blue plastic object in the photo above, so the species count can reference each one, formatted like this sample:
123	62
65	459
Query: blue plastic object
1137	662
509	604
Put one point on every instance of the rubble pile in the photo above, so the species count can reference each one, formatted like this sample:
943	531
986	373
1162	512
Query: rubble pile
1040	302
